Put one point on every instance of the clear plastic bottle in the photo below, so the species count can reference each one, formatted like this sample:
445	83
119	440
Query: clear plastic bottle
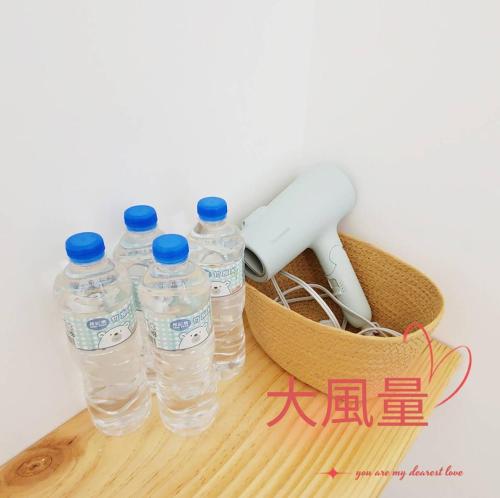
96	303
134	253
218	247
175	296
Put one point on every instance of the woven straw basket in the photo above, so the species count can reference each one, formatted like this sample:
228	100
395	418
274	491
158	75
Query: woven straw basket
398	295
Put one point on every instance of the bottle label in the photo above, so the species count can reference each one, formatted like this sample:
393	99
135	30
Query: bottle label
103	331
226	280
135	294
180	333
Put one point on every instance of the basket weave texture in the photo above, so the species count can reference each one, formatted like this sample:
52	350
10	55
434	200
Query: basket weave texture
398	295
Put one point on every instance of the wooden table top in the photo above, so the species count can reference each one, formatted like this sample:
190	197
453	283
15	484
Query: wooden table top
239	456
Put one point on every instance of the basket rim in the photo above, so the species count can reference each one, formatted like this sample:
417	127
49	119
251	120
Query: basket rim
325	328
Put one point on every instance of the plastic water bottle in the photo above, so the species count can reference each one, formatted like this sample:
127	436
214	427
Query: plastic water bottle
175	296
96	303
218	247
134	253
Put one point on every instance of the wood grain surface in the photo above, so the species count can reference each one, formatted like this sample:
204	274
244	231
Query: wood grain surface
239	456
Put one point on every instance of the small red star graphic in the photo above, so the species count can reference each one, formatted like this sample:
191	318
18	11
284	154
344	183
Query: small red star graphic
333	472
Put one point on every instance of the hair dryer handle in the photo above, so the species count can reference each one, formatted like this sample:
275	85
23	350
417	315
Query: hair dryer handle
341	276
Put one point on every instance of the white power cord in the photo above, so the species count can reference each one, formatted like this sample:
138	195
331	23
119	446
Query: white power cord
280	293
371	328
314	295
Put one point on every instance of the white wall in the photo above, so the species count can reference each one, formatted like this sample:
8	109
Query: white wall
105	104
406	96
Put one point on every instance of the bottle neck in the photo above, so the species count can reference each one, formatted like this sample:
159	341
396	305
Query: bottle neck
140	233
212	225
92	268
172	268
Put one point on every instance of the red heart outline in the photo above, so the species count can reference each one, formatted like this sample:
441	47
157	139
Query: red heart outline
432	369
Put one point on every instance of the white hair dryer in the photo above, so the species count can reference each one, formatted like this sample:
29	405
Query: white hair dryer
306	214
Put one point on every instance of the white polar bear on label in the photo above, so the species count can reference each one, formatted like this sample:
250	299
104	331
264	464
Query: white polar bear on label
193	338
220	289
115	336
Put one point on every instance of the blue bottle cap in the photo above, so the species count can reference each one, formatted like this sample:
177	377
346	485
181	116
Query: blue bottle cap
85	247
212	209
140	218
170	249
